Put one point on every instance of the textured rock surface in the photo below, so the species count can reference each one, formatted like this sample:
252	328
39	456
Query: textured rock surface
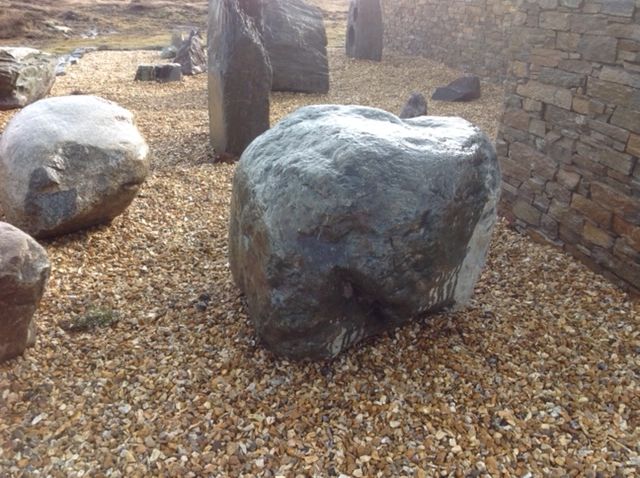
346	221
239	75
192	56
466	88
68	163
296	42
26	75
146	73
365	31
167	72
24	270
416	106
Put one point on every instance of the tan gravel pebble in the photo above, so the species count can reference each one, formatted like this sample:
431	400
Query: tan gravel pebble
539	377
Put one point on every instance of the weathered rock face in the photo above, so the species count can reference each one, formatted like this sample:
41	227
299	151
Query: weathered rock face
70	162
346	221
239	76
416	106
162	73
26	75
365	30
191	56
296	41
466	88
24	270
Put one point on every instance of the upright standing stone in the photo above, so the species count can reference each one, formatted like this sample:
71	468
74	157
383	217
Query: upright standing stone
239	76
365	30
296	41
191	55
24	270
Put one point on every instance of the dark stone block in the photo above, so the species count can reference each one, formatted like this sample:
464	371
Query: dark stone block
365	30
466	88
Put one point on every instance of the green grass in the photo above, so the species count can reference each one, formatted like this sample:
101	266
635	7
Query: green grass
94	318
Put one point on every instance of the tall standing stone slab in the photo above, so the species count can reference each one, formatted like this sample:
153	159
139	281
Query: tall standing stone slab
347	221
191	55
24	270
296	41
365	30
239	75
26	75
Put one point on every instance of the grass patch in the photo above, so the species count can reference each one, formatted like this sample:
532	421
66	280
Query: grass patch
93	319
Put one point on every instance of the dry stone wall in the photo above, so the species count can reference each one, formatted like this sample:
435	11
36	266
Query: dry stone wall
467	34
570	135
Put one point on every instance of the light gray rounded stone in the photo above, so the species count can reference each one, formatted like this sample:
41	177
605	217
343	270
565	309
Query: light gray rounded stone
347	221
70	162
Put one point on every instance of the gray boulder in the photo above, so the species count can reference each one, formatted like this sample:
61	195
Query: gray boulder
69	162
145	73
416	106
191	55
167	72
347	221
239	76
24	270
365	30
26	75
169	52
296	41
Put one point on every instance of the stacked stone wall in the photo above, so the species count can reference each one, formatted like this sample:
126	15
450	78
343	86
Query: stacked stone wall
569	139
467	34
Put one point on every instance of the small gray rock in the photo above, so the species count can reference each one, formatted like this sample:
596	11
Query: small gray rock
169	52
26	75
146	73
70	162
24	270
167	72
347	221
416	106
466	88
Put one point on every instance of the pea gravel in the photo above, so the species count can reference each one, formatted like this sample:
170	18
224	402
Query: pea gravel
147	364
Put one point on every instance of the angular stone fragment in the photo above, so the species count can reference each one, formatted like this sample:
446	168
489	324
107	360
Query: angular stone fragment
24	270
296	42
239	76
347	221
191	55
365	30
69	162
466	88
416	106
26	75
145	73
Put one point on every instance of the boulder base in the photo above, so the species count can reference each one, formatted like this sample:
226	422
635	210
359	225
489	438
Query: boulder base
70	162
191	56
24	270
296	42
347	221
26	75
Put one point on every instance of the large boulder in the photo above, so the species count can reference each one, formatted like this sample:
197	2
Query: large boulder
239	75
365	30
24	270
26	75
296	41
347	221
70	162
191	55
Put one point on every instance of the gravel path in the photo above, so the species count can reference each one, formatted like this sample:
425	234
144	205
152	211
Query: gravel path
538	378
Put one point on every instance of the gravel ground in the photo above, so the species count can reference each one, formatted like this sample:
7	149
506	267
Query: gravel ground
147	365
